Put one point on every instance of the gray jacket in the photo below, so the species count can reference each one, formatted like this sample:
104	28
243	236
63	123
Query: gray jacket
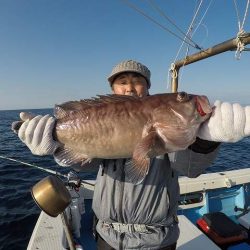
153	202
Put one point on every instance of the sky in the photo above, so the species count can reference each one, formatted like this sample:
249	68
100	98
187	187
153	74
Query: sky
57	51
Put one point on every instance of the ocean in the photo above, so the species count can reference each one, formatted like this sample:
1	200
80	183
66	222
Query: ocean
18	211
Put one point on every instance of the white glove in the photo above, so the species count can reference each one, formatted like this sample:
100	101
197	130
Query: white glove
228	123
36	133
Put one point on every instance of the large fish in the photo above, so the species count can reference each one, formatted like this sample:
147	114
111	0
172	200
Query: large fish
117	126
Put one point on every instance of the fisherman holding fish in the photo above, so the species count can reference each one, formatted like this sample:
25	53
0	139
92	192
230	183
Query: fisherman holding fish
141	149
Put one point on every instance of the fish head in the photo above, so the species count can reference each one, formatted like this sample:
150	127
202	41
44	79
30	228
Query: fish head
194	109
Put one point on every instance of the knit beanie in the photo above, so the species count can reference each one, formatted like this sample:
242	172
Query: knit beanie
130	66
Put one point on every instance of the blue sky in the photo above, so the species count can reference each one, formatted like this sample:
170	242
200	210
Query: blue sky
56	51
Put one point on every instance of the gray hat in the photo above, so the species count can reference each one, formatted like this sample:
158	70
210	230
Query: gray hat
130	66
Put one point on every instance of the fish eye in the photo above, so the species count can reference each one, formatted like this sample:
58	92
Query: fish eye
181	96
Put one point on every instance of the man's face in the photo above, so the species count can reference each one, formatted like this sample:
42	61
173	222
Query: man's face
130	84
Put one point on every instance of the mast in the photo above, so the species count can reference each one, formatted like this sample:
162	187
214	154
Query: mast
231	44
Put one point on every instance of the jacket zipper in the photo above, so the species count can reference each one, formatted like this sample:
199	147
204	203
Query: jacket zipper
121	219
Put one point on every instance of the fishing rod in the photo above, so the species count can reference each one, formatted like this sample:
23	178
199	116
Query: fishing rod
35	166
42	168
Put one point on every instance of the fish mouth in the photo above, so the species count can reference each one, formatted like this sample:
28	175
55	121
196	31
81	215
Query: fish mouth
202	105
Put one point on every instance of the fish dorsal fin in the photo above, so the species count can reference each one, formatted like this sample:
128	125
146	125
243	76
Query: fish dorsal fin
116	98
65	109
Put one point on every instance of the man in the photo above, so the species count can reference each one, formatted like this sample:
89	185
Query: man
142	216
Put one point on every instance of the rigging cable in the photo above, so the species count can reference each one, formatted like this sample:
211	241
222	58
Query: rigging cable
237	14
188	35
194	45
189	29
241	25
172	22
245	15
205	13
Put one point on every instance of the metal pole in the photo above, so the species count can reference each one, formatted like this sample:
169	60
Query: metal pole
67	231
174	85
215	50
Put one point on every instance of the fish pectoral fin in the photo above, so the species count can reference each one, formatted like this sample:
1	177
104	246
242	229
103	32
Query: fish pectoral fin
150	146
67	157
137	169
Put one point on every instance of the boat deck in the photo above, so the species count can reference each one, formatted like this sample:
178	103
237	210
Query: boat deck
224	192
191	238
48	234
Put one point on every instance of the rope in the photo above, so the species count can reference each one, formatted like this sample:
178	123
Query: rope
241	33
240	44
173	71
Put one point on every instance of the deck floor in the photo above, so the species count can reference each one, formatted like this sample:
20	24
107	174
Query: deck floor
48	234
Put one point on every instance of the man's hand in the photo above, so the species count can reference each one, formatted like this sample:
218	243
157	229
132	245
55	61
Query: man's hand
36	133
228	123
